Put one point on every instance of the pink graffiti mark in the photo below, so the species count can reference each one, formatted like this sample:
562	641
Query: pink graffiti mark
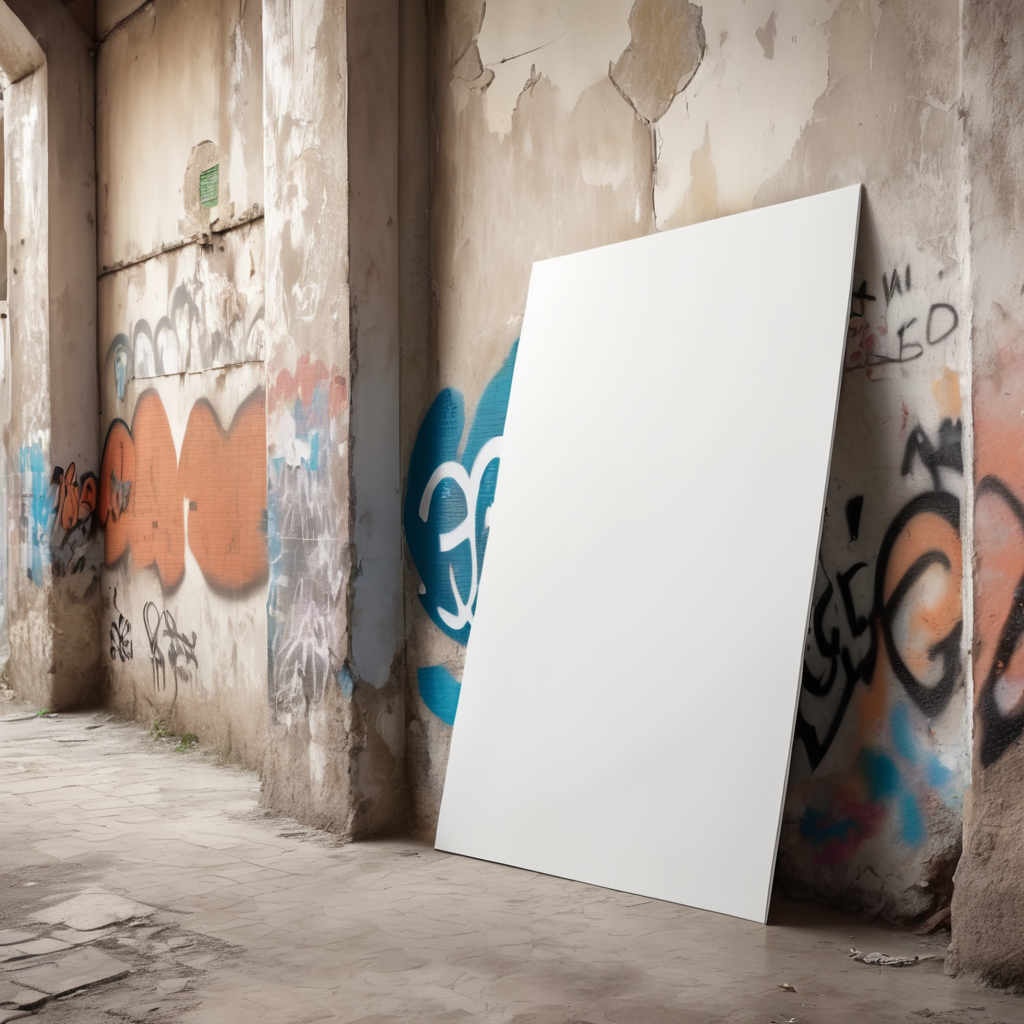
843	829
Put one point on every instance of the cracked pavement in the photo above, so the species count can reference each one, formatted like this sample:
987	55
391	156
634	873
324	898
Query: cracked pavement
214	911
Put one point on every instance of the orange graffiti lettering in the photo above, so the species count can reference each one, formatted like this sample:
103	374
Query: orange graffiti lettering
143	488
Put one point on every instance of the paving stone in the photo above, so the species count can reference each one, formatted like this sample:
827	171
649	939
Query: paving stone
6	1015
40	947
10	937
80	969
172	985
26	999
73	937
9	991
92	910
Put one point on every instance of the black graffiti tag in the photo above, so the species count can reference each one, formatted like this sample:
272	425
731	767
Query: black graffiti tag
120	636
181	649
932	699
999	730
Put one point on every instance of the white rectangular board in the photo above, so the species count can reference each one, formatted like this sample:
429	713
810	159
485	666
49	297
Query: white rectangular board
630	689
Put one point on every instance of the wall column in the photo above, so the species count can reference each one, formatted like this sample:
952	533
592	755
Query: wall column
53	587
334	630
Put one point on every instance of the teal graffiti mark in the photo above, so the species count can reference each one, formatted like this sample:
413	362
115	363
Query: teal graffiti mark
440	691
837	831
936	774
448	498
36	517
345	681
447	501
884	783
119	355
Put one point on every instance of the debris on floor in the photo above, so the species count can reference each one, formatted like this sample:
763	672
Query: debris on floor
884	960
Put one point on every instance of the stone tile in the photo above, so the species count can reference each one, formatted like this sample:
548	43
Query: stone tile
63	849
40	947
78	969
11	936
91	911
9	1015
9	991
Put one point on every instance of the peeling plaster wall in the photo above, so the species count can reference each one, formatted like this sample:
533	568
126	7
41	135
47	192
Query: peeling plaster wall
28	430
560	127
313	750
178	93
988	903
182	500
50	215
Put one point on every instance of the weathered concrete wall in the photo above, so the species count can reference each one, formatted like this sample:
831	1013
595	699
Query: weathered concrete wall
874	811
376	663
178	94
52	441
336	746
988	903
182	486
28	414
565	126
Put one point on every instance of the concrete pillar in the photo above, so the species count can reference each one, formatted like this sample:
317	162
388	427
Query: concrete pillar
988	899
335	753
52	431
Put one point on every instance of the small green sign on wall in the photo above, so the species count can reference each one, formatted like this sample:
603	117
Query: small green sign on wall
209	186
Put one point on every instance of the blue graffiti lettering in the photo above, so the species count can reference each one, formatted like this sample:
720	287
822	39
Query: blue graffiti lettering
448	500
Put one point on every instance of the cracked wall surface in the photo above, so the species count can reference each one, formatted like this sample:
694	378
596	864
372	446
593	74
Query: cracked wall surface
182	500
560	127
988	903
49	381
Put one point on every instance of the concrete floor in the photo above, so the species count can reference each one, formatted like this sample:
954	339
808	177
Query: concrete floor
250	918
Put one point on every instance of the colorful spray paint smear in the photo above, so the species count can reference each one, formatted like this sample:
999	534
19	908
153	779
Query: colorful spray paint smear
36	512
446	516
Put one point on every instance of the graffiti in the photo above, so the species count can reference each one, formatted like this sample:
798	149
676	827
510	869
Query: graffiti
447	516
179	343
36	512
905	614
180	650
307	410
73	519
120	636
448	500
870	345
1001	725
209	306
119	358
440	691
924	534
220	474
998	557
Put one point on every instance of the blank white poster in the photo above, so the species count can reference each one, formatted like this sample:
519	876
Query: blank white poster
630	688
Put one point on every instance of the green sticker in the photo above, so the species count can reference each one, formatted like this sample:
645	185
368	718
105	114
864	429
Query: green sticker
209	186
